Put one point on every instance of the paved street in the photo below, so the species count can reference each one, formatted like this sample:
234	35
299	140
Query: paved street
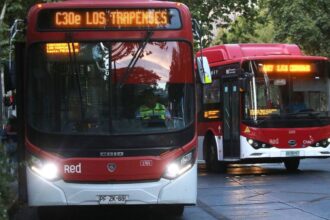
265	192
245	192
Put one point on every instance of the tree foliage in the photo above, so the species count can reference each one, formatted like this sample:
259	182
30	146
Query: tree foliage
15	9
211	12
304	22
243	30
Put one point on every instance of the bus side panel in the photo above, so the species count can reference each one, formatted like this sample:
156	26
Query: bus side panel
210	130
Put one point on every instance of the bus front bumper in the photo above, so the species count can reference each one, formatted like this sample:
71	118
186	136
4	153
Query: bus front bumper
182	190
248	152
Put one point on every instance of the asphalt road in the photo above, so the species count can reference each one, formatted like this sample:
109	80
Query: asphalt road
265	191
260	191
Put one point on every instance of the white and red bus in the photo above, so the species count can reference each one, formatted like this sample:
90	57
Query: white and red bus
87	65
266	103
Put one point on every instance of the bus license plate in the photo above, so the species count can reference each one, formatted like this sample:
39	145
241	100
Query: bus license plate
292	153
112	199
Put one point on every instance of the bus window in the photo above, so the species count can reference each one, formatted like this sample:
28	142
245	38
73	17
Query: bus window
285	94
77	91
211	92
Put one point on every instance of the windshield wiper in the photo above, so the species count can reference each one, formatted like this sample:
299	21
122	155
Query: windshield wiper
135	58
309	113
321	117
268	118
304	112
75	72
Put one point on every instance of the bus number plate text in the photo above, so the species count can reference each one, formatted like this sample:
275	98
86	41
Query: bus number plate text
292	153
112	199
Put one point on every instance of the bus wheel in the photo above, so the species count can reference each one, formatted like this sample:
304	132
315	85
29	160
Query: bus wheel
175	210
292	164
52	213
212	163
169	210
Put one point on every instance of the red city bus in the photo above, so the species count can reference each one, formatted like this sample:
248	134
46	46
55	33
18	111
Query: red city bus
87	68
266	103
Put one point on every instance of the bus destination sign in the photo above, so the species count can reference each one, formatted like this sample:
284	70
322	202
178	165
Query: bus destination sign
85	19
302	68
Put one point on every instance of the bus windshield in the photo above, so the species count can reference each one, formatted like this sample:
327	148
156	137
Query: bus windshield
287	89
94	88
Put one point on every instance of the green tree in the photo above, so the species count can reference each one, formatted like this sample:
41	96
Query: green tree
212	12
304	22
15	9
12	9
258	29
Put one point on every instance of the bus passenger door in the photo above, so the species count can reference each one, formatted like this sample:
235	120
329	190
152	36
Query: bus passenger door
231	117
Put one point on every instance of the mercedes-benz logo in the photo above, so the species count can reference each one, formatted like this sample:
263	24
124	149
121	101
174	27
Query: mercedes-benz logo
111	167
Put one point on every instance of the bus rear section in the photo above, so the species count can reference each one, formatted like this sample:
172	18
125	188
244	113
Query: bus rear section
266	103
89	66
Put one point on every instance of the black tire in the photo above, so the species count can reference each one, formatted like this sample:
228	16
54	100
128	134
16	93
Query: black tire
162	211
292	164
212	162
175	210
52	213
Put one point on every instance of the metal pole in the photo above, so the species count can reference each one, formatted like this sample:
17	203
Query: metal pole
14	29
3	11
2	69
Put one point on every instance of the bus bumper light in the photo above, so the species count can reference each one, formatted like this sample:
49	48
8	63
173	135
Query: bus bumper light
179	166
47	170
325	152
258	144
323	143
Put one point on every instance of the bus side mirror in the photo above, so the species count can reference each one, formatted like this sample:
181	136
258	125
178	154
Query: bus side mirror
243	84
244	80
203	69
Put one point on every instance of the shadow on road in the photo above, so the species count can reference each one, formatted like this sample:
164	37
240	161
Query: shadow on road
261	169
92	213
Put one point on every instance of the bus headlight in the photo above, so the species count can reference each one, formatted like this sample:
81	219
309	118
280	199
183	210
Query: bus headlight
180	165
322	143
258	144
47	170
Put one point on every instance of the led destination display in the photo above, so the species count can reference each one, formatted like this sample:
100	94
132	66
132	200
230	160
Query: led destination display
293	68
84	19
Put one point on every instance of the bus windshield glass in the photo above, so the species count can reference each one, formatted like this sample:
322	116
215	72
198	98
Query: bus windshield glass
287	89
110	88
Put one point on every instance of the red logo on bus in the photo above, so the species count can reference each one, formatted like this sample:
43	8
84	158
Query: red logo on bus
146	163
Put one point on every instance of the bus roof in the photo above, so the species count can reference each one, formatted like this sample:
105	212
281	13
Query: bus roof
238	52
